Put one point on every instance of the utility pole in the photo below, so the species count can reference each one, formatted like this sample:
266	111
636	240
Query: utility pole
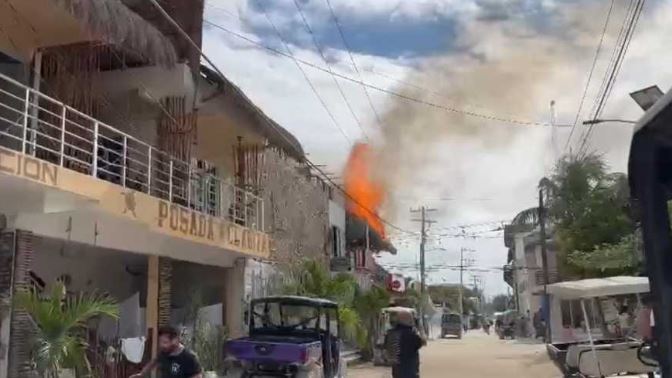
424	222
460	299
544	263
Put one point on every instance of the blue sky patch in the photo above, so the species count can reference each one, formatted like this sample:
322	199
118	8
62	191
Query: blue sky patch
371	34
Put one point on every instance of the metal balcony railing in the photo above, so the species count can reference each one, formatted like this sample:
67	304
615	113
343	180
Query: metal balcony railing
36	124
539	276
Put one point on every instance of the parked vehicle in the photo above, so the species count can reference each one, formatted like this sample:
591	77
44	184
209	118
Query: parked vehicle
505	325
386	319
600	355
289	336
451	324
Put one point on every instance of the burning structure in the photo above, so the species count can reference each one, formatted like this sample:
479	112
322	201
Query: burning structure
365	231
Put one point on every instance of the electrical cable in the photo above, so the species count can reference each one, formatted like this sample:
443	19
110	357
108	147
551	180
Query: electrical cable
590	74
389	92
352	61
319	49
303	72
305	159
622	51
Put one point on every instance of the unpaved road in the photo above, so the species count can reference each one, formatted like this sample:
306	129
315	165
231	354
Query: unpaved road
477	355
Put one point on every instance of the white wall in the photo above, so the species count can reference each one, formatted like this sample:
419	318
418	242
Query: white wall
336	214
90	268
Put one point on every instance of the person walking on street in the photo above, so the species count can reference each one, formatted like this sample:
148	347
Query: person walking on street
174	360
402	345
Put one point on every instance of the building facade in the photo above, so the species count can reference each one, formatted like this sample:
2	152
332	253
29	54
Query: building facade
524	272
127	167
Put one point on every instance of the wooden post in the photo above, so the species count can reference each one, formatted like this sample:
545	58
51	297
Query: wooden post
152	312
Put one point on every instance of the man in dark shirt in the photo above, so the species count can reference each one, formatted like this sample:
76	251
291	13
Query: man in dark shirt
404	342
174	360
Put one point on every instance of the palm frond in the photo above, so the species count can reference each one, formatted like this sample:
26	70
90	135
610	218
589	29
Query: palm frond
61	321
526	217
79	309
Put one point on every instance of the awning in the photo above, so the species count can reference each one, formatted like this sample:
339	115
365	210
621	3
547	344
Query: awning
599	287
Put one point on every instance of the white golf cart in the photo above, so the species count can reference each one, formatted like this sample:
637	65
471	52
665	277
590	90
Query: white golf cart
590	351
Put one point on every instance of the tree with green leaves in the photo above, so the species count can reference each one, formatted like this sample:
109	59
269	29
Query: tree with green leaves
61	320
500	303
450	295
357	309
588	208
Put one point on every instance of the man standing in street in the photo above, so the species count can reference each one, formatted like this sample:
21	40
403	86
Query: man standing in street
174	360
402	344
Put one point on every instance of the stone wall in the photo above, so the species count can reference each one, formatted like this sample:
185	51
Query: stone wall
296	210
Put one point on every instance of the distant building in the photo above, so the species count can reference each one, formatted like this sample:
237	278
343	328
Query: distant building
524	271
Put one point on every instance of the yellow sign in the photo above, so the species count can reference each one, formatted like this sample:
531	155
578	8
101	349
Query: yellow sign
191	224
156	214
18	164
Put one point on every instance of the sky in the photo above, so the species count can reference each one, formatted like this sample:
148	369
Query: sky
506	59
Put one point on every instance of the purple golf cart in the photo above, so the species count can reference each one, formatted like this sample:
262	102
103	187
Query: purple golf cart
289	336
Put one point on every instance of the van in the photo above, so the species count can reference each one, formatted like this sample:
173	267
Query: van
451	324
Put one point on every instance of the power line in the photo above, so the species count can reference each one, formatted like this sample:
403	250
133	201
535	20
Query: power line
590	74
281	134
622	51
389	92
352	60
319	49
303	72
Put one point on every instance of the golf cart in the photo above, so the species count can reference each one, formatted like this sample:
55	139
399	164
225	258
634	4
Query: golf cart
289	336
451	324
386	319
505	324
595	353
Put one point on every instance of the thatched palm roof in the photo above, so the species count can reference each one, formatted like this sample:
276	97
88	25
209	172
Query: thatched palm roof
113	22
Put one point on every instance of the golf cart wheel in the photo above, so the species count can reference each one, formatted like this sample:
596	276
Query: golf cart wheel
316	372
235	373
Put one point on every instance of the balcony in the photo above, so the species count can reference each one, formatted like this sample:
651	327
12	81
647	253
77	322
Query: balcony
340	264
43	127
553	277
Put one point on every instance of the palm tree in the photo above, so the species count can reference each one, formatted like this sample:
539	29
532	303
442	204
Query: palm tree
61	321
311	279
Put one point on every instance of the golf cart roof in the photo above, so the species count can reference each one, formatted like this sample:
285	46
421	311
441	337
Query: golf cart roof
398	309
599	287
297	301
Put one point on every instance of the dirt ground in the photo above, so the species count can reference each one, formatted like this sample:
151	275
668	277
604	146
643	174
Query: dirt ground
476	355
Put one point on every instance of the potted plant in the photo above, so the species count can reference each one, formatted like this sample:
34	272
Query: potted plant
59	344
208	344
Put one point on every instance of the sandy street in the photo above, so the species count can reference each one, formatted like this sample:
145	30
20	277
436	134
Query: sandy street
477	355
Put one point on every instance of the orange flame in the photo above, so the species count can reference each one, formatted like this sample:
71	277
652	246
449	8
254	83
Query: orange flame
367	194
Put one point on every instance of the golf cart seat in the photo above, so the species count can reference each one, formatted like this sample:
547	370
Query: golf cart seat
614	359
574	351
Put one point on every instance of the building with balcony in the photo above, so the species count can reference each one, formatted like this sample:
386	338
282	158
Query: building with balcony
127	167
524	271
362	244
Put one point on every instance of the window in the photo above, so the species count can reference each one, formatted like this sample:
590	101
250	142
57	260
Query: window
572	314
336	238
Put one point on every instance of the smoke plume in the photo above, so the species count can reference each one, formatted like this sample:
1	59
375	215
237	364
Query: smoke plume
500	66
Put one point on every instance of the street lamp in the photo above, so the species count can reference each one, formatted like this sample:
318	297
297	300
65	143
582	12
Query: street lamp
597	121
646	97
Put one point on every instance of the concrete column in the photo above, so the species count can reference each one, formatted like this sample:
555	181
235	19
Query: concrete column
6	275
234	298
556	319
152	312
21	326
